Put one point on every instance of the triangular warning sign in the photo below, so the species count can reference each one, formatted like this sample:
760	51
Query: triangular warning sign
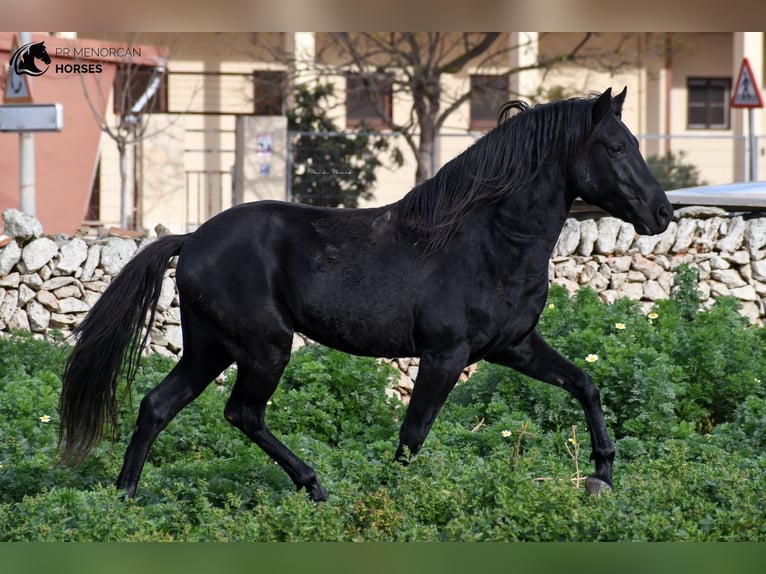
746	92
16	85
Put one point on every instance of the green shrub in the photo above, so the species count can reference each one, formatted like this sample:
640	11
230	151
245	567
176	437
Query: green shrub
682	393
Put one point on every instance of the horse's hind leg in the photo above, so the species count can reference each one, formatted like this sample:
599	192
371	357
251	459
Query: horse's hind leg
257	379
191	375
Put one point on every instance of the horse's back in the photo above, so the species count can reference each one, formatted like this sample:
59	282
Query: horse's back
339	276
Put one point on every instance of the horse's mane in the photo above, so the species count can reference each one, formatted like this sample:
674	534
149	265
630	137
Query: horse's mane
502	162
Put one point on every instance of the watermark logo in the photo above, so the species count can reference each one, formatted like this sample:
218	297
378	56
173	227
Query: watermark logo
25	60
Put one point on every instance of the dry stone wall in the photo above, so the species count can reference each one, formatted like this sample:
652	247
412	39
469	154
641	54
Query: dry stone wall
50	282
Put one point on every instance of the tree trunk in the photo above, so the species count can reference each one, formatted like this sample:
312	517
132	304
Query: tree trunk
122	148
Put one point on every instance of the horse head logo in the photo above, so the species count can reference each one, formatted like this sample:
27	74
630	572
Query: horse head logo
24	60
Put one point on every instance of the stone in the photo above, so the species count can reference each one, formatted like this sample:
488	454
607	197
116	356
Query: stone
11	280
666	239
625	238
21	225
570	285
744	293
174	337
32	280
25	294
38	252
699	212
96	286
167	294
569	238
62	321
68	291
115	253
648	268
19	320
588	236
654	291
91	262
608	231
759	270
71	256
8	306
39	317
647	243
57	283
72	305
734	236
48	299
717	289
729	277
751	310
685	230
9	257
620	264
617	280
755	234
632	290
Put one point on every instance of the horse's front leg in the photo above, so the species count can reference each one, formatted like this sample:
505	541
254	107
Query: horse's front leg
535	358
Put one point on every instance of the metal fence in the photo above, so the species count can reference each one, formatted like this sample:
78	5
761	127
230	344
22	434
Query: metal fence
720	158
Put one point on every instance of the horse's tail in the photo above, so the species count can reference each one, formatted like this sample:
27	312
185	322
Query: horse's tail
108	346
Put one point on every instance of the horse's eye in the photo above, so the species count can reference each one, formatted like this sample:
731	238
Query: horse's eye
614	149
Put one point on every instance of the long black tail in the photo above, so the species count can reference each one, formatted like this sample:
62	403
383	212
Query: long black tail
108	347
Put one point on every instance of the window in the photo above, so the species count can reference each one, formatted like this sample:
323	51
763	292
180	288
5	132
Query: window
131	82
268	93
367	97
488	93
708	103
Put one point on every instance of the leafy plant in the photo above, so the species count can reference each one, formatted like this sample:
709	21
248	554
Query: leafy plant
673	172
328	167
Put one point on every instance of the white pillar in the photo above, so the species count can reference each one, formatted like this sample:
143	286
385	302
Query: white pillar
525	52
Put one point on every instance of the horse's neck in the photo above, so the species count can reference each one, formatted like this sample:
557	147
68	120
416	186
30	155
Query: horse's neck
538	211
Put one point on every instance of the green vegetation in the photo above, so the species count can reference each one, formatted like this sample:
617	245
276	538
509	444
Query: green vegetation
328	167
682	391
673	172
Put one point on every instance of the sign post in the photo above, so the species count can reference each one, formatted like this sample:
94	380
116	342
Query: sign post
747	95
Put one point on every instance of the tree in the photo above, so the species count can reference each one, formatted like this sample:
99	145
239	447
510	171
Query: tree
413	64
672	172
328	167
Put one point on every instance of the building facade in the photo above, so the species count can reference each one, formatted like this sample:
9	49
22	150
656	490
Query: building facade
211	128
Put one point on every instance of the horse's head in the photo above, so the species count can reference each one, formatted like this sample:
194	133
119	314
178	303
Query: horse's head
23	60
610	172
38	51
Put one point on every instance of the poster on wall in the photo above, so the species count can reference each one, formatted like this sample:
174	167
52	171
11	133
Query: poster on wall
264	144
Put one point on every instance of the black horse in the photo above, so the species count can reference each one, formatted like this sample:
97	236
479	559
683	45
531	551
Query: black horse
455	272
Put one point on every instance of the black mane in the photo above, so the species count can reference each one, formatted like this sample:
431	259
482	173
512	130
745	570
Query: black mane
503	161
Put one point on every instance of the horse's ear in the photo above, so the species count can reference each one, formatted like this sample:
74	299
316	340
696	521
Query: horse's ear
618	100
602	106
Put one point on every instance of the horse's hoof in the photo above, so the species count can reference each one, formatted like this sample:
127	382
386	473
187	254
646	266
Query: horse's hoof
316	491
596	486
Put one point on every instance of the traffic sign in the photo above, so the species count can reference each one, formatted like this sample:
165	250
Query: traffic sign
17	89
746	93
31	118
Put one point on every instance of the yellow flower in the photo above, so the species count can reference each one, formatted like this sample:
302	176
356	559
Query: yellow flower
45	419
551	306
506	433
619	326
652	315
591	358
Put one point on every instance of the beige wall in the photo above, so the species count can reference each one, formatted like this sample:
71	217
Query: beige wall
655	106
